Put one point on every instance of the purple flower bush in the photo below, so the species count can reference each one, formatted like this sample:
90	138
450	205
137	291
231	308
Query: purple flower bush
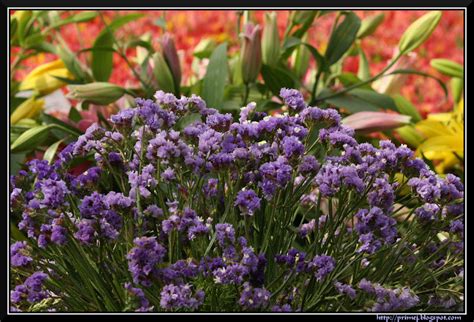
284	213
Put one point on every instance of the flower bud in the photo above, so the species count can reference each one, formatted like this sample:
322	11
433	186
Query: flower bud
270	40
204	48
251	53
369	25
419	31
162	73
447	67
457	86
375	121
300	58
299	17
42	80
100	93
171	57
27	110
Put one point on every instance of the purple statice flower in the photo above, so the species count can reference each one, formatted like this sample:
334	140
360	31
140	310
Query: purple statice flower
275	174
305	229
314	115
40	168
428	212
187	222
117	201
293	259
219	122
175	297
169	174
178	272
143	259
209	141
457	227
124	118
142	183
92	205
345	289
374	227
225	234
210	189
154	211
427	188
169	102
309	165
338	136
90	177
58	232
247	201
207	265
154	116
140	296
254	298
382	194
322	265
230	274
293	99
282	308
15	197
292	147
332	176
18	254
54	193
85	231
246	111
31	290
389	300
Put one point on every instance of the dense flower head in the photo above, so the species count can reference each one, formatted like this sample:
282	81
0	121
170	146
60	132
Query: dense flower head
143	258
389	300
248	201
180	296
322	265
254	298
18	254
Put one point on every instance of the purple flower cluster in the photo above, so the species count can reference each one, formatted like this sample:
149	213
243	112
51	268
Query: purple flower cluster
175	297
18	254
254	298
345	289
374	229
140	296
389	300
186	222
31	290
144	258
322	265
247	201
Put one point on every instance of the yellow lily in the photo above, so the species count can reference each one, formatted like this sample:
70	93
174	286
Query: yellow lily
444	133
27	110
41	78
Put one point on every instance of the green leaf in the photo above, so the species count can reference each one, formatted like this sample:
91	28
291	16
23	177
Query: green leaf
49	119
349	79
406	107
162	73
74	114
123	20
51	151
33	40
102	61
16	162
77	18
71	62
216	77
276	78
31	138
380	100
16	233
359	100
342	38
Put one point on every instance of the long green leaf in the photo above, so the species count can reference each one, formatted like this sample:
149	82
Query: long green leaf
216	77
102	61
416	72
342	38
31	138
51	151
276	78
